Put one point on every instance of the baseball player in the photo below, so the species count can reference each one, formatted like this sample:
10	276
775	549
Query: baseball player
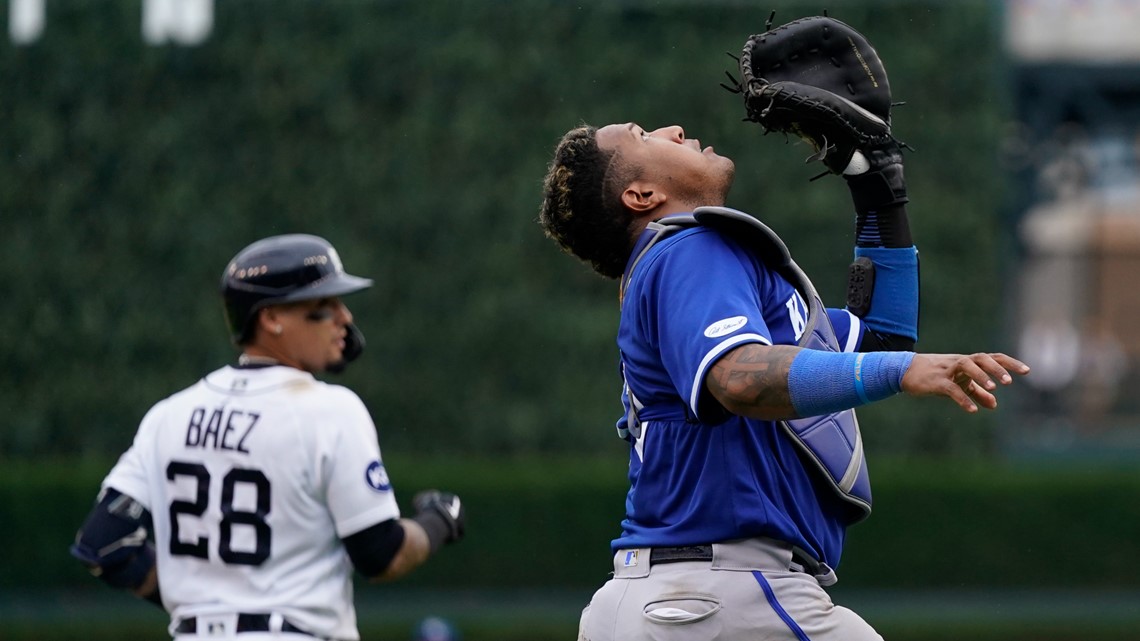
247	499
746	464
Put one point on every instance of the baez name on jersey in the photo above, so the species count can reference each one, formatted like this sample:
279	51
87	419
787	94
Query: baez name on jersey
220	429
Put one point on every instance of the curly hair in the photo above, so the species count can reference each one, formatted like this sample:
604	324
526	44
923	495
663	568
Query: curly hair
581	205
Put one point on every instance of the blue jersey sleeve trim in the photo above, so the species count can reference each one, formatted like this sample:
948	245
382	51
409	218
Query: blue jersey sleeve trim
848	328
894	302
821	383
854	334
712	355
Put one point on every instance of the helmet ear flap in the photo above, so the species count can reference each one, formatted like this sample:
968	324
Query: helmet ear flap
353	343
243	325
240	312
353	347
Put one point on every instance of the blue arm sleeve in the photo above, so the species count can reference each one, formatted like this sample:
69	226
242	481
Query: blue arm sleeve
894	302
825	382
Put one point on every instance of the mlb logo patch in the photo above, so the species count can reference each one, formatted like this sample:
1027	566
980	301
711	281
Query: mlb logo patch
630	559
377	477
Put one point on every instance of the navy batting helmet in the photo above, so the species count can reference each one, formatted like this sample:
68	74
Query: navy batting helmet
282	269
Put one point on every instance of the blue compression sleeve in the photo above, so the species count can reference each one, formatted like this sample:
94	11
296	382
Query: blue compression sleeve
894	302
824	382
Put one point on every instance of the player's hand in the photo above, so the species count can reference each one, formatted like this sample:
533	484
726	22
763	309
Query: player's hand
445	505
968	380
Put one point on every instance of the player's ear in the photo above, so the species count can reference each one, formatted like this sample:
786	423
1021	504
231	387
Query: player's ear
640	197
268	321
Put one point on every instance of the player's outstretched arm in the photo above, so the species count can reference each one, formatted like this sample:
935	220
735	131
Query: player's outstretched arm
775	382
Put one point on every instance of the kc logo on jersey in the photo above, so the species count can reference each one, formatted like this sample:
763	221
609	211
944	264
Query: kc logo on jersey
377	477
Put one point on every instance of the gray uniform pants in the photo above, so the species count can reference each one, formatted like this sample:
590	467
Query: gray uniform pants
748	592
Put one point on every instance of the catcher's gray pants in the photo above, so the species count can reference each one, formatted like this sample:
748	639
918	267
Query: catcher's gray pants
748	591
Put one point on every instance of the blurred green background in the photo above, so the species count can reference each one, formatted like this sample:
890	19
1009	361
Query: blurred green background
415	136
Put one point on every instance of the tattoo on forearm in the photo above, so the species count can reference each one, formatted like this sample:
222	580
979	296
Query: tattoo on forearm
755	377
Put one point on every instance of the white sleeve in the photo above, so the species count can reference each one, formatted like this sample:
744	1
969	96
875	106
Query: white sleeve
357	488
130	475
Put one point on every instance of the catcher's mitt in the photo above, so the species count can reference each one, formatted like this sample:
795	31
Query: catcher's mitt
820	79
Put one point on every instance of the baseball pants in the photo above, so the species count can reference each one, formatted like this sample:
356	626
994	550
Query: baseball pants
750	589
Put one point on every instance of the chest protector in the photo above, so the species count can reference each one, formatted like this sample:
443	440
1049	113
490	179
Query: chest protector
831	443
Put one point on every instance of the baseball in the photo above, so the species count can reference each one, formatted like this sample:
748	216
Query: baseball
857	165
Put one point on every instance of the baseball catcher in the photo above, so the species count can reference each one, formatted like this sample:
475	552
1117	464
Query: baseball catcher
739	384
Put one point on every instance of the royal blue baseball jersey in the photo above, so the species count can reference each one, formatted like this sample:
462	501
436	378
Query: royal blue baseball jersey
699	474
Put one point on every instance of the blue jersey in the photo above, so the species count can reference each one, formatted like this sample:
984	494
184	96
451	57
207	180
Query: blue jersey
699	474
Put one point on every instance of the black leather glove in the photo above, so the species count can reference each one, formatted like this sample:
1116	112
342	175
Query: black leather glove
442	516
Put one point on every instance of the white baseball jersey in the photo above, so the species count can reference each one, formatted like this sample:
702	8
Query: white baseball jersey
253	476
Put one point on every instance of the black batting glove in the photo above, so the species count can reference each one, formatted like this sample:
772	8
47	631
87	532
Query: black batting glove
441	515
